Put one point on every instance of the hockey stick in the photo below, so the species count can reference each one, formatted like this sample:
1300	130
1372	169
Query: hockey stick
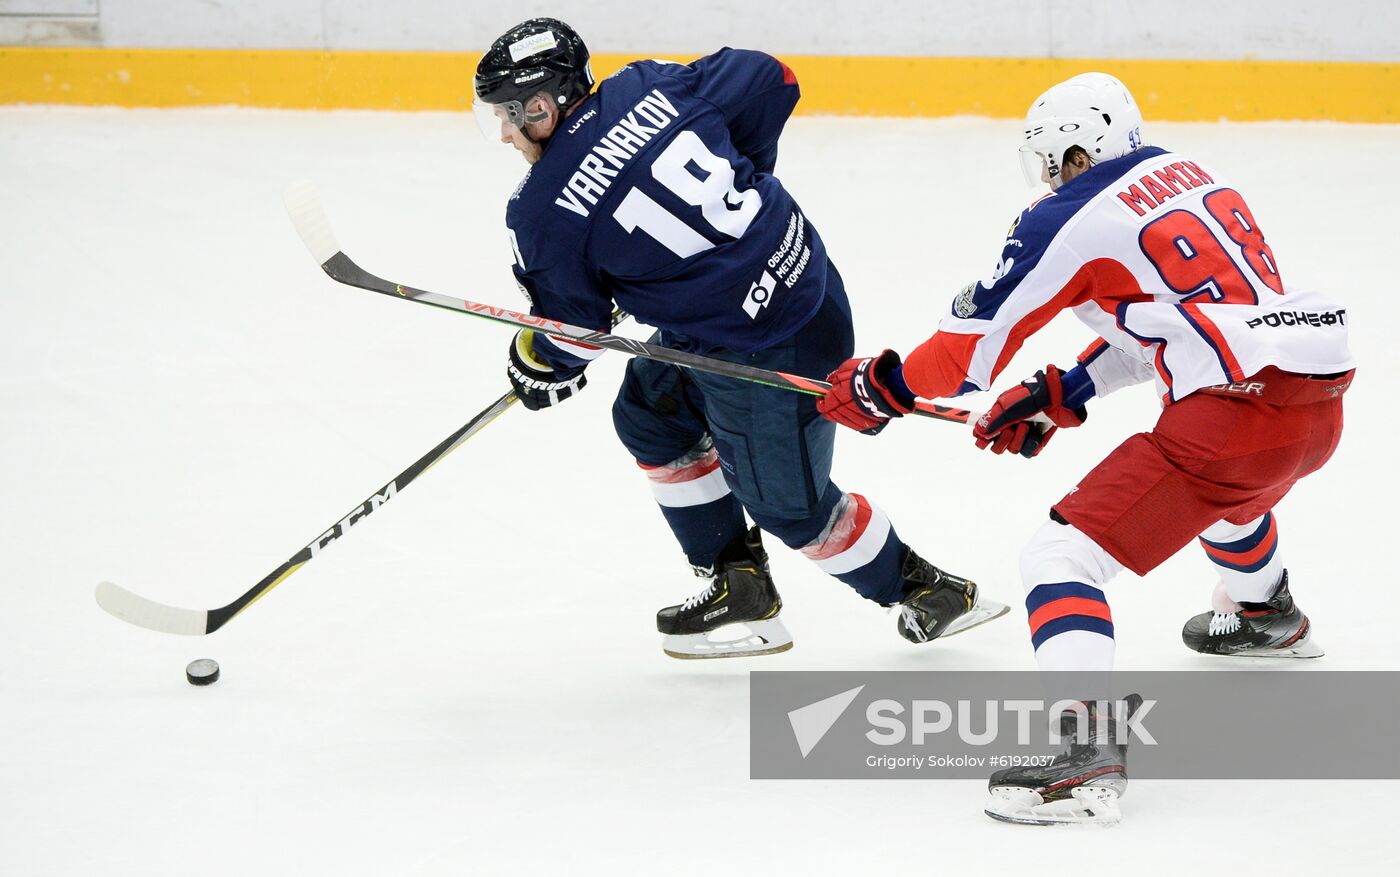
304	208
144	612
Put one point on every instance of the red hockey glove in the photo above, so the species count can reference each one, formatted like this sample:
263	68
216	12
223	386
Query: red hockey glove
860	396
1007	425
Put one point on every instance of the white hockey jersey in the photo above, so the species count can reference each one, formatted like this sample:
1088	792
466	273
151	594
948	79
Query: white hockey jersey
1161	258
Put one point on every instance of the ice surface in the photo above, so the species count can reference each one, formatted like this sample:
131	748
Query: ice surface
463	685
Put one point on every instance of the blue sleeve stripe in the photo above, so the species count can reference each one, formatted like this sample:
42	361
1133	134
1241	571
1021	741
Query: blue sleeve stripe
1078	387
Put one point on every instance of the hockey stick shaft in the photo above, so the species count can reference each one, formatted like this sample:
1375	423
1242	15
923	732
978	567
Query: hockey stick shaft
143	612
304	208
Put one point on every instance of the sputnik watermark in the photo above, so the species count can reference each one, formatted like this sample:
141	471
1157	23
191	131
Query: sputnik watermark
892	723
968	724
931	717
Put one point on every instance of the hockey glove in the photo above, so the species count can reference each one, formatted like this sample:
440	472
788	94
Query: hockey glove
1007	425
535	383
861	396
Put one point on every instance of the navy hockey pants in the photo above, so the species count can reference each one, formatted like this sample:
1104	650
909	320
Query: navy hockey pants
774	449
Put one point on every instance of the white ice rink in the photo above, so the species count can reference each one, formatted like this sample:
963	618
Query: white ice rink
469	684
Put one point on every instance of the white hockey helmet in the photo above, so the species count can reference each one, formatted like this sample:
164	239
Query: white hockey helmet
1093	111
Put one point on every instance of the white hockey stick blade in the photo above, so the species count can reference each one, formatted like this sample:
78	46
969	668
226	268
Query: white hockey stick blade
135	609
309	218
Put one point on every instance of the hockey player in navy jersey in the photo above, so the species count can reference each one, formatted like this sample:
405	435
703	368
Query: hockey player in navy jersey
1166	263
656	192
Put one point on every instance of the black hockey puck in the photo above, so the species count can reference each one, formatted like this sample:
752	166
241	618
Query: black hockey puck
204	671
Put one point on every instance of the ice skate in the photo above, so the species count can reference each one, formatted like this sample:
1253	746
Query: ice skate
1081	786
1276	628
938	603
735	616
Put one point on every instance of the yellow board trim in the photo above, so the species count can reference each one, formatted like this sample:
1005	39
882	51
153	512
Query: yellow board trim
831	85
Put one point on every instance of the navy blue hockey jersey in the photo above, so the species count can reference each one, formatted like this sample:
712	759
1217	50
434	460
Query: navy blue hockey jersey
658	193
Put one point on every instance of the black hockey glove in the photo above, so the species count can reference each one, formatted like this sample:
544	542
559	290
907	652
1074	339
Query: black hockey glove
535	383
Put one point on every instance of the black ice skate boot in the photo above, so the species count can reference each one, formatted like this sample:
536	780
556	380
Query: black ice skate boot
740	594
938	603
1081	786
1276	628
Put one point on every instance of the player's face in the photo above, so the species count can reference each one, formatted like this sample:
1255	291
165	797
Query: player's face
529	146
516	138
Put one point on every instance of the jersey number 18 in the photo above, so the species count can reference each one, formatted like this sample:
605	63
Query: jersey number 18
727	210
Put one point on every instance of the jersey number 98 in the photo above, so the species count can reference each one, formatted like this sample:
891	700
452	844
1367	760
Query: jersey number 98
1192	260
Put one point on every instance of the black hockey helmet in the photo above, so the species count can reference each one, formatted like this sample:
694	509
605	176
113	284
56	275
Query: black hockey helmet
539	55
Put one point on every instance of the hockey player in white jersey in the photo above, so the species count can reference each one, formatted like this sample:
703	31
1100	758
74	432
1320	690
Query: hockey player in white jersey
1165	261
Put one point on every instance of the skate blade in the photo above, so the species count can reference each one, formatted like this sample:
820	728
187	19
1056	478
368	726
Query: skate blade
984	611
1088	806
754	638
1305	649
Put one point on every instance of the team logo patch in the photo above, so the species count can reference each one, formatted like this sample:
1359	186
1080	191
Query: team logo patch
963	305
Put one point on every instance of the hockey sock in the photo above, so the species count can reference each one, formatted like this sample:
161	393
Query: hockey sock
1246	556
858	545
1071	626
704	530
697	504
